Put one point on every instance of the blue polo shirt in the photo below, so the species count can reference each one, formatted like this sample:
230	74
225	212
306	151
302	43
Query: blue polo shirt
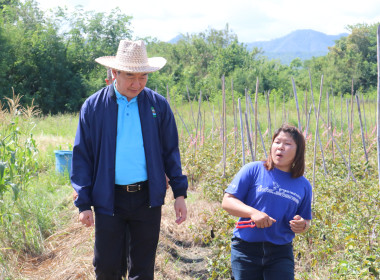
130	154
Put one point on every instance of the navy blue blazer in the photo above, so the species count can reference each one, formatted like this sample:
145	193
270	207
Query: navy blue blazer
94	151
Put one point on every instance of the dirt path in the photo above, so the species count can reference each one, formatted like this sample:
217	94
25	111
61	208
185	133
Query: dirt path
68	253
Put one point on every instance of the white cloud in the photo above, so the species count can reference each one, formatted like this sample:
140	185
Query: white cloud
251	20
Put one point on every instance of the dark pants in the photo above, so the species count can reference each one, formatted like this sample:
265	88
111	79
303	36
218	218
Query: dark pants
132	214
261	260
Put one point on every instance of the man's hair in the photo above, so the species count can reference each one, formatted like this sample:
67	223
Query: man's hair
298	165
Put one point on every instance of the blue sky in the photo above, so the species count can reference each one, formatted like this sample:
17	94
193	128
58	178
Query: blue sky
251	20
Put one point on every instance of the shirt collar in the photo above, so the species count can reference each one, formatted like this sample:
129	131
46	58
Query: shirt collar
119	96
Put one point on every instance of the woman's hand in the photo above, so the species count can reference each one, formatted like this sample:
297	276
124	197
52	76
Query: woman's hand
299	224
237	208
261	219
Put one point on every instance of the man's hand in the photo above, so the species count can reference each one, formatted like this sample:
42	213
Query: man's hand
180	209
86	218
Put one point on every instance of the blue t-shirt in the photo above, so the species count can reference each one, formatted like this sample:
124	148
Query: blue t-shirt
275	193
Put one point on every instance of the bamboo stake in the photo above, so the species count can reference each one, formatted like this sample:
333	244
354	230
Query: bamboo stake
306	113
298	110
258	128
204	125
233	112
341	154
268	114
316	134
361	128
328	113
256	120
283	107
198	115
341	115
167	94
332	142
378	100
274	112
213	121
308	121
224	129
365	119
241	133
247	109
351	124
191	104
249	136
184	124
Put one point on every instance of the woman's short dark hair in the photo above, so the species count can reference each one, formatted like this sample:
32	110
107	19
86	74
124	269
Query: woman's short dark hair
298	166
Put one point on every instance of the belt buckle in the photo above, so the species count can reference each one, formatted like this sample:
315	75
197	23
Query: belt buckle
136	190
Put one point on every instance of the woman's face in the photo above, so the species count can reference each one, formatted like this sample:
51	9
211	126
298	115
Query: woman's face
283	151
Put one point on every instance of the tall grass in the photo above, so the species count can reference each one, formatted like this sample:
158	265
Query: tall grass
33	196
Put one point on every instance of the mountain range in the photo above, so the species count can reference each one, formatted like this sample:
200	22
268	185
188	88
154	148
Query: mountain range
304	44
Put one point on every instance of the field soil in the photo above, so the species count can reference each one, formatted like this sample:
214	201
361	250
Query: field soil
68	252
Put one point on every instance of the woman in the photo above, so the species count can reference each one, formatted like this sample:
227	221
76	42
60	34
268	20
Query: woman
277	198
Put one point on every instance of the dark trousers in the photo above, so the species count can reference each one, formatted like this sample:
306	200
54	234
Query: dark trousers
135	219
261	260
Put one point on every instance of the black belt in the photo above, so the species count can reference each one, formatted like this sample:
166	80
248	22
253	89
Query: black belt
132	187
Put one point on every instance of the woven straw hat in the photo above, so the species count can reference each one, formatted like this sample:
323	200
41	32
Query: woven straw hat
132	57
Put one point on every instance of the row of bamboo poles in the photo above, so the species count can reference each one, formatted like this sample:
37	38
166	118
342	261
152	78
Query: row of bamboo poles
250	130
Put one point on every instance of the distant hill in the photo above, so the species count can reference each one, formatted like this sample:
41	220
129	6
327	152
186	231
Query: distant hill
300	43
304	44
176	39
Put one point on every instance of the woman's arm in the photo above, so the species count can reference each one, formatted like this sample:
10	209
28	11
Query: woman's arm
237	208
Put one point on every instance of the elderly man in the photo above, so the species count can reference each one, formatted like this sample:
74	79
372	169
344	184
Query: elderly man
125	143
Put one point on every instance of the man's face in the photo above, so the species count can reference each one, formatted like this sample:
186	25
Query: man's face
130	84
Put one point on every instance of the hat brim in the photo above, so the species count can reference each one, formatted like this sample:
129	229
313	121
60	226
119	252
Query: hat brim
154	64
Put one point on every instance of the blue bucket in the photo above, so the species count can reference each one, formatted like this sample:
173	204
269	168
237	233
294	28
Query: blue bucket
63	161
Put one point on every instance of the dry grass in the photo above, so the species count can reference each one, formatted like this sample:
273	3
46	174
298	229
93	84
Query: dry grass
46	141
68	253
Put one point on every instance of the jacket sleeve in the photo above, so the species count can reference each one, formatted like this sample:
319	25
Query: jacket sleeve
171	154
82	162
